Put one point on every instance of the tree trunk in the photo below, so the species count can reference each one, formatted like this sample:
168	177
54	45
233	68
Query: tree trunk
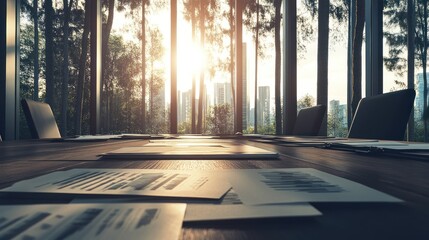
424	61
357	54
231	51
65	67
277	19
143	106
322	59
49	43
151	97
82	71
411	26
193	97
255	126
107	28
201	94
36	50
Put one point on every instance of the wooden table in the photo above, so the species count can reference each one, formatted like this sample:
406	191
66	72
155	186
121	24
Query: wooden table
407	179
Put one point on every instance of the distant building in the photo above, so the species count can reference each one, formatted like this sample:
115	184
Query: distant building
338	111
185	106
222	93
263	111
251	119
418	104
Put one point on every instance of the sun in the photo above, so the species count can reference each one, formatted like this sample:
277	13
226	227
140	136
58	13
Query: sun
190	62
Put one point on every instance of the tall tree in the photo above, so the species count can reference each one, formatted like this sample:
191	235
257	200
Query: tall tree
65	66
277	32
256	68
144	4
36	49
357	54
49	52
193	94
106	30
411	25
231	17
156	51
143	81
322	58
82	70
201	92
424	63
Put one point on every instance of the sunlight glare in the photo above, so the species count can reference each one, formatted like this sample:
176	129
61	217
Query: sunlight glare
191	61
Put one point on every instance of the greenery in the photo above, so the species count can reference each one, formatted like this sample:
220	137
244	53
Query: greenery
220	120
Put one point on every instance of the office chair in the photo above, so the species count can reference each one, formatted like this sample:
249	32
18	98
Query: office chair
309	120
40	120
384	116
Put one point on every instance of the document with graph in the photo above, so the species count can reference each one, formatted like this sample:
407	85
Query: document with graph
143	182
230	207
92	221
261	186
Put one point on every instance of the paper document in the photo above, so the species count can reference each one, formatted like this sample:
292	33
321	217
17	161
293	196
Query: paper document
230	207
392	145
91	221
260	186
140	136
143	182
213	151
203	212
88	138
374	143
183	145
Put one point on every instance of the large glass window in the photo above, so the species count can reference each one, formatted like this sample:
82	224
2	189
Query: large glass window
395	59
133	98
395	42
206	50
337	69
54	61
262	44
307	54
337	62
136	63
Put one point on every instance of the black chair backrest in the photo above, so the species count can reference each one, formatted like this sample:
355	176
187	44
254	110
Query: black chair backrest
40	119
383	116
309	120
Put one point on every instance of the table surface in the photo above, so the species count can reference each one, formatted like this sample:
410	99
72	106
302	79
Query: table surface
407	179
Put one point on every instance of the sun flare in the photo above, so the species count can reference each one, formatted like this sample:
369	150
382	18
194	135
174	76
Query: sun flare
191	61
